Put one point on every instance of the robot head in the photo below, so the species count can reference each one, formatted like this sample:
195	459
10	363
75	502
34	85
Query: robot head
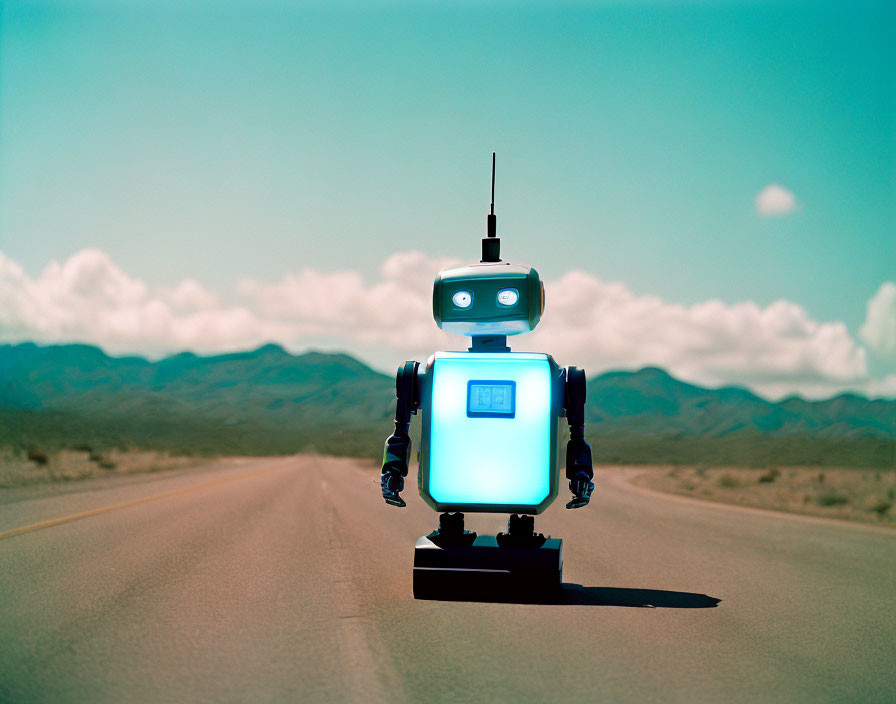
489	298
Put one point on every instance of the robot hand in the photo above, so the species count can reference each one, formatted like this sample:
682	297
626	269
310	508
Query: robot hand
391	483
581	487
579	472
395	468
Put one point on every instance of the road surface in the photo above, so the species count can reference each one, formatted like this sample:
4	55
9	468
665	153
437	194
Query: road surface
289	579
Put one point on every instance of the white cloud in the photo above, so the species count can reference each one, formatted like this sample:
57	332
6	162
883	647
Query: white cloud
775	350
598	325
395	312
882	388
879	328
89	298
190	295
775	201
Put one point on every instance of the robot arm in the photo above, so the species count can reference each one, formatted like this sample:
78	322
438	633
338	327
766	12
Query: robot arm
397	452
579	470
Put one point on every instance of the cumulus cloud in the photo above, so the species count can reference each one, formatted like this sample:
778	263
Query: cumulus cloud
775	201
89	298
776	350
879	328
190	295
598	325
395	311
882	388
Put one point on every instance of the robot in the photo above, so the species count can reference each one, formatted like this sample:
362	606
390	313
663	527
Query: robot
489	440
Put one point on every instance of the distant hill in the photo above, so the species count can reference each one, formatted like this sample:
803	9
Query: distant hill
268	401
264	401
648	416
655	403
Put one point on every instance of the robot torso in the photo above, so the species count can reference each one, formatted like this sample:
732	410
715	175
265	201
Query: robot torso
489	437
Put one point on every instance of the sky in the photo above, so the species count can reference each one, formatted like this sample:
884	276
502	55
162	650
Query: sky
707	187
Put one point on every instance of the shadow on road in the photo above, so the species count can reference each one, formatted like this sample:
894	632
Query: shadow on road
576	594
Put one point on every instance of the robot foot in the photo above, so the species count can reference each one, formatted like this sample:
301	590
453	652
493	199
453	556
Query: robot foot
451	531
521	532
487	571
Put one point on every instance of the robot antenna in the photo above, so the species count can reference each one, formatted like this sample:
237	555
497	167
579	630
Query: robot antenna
491	245
493	187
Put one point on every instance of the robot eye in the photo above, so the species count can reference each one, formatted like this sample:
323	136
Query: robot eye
462	299
508	296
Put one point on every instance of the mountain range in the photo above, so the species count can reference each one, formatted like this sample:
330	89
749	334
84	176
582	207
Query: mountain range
267	401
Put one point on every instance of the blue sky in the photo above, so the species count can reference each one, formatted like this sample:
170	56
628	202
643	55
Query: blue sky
226	142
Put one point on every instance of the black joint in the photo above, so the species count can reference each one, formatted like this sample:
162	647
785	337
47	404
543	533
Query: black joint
407	391
521	526
575	396
489	343
491	249
451	524
520	533
560	391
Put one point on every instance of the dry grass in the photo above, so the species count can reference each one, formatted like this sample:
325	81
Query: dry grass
867	495
16	469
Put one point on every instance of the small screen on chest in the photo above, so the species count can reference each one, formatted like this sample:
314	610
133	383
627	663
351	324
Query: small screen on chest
491	399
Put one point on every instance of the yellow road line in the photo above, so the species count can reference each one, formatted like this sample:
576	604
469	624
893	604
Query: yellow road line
126	504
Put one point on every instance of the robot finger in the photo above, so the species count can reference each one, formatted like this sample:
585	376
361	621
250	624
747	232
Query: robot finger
393	499
581	488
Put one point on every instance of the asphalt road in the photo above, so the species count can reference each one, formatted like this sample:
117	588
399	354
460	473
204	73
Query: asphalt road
290	580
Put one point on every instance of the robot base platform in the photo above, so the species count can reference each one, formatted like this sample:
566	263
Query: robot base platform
487	571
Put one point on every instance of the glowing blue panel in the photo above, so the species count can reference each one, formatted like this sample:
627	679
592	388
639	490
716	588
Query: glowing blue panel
503	454
491	399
